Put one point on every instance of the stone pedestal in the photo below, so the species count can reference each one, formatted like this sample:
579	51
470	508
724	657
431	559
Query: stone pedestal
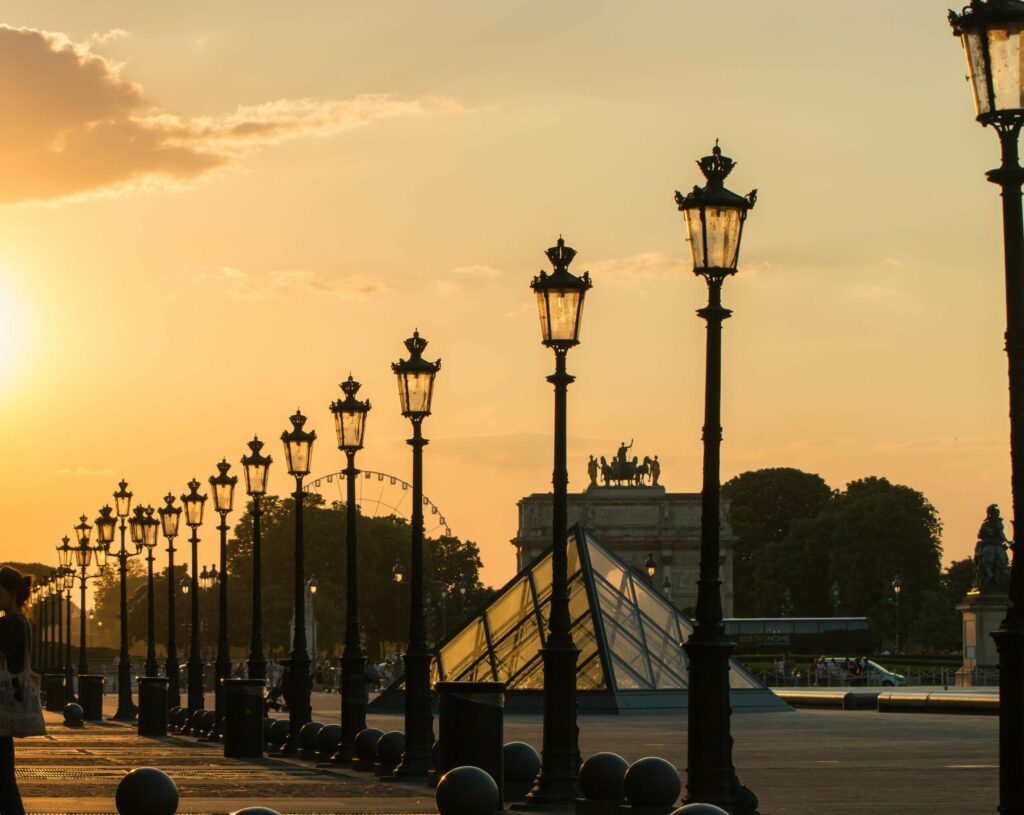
982	614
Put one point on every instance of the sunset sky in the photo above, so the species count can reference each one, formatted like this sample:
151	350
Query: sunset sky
211	213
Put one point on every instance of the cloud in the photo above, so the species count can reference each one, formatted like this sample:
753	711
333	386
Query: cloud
297	281
447	287
640	268
74	125
83	472
101	38
477	270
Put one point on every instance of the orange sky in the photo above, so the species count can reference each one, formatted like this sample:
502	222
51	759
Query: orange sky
210	213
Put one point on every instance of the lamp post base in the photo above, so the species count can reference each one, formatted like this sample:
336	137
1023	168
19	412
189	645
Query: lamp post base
300	710
558	781
419	721
353	703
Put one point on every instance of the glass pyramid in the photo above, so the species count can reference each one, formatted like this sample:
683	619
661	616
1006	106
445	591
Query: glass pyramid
628	635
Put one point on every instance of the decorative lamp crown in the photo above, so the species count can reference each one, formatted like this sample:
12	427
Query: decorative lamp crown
716	166
560	255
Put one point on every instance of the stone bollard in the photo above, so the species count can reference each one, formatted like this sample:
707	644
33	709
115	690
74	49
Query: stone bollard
522	763
307	740
365	749
700	809
146	791
279	733
602	782
652	786
389	753
73	715
467	791
327	742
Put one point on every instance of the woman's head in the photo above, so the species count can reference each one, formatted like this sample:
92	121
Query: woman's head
14	588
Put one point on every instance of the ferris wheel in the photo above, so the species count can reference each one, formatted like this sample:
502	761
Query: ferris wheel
380	495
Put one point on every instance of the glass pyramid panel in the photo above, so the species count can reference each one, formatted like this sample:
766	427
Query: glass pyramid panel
618	622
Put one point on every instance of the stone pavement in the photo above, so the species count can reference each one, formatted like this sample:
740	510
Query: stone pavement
807	761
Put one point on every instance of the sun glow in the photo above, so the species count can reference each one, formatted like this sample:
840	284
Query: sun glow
12	321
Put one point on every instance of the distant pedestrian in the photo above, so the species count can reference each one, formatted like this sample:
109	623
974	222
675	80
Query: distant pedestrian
20	713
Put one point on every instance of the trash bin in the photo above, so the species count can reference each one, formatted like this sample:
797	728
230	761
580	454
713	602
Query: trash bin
90	696
152	705
471	727
243	717
54	685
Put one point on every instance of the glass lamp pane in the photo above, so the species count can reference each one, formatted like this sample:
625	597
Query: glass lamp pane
417	387
542	312
695	235
1005	53
101	557
82	556
563	311
194	513
223	497
151	533
64	555
256	478
974	49
723	236
135	529
122	504
69	580
170	521
349	425
298	453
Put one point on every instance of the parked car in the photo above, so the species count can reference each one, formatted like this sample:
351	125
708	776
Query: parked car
856	671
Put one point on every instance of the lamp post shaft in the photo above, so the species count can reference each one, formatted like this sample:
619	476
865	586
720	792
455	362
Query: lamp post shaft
60	632
195	658
257	662
353	660
151	667
69	677
557	780
419	720
83	660
1010	636
300	709
171	669
711	776
223	663
125	708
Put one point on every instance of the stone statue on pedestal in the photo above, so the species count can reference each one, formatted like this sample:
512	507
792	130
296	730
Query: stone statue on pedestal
991	562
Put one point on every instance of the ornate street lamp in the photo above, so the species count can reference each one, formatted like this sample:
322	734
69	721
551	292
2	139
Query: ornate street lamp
992	35
83	559
650	566
714	218
193	503
416	390
68	579
223	486
350	426
57	592
298	451
150	530
897	590
126	709
170	518
560	299
397	575
256	467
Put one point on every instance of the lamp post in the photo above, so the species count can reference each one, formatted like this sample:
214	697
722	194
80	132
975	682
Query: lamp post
45	624
835	598
666	588
350	426
223	486
651	567
312	587
415	390
194	503
126	709
64	554
897	590
57	587
398	576
170	518
150	537
83	558
714	218
560	299
256	467
992	34
298	450
787	603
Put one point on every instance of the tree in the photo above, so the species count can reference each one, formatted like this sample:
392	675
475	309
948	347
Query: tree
958	579
861	539
763	506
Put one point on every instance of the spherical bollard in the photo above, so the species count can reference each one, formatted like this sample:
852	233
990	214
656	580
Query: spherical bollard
390	748
181	720
209	721
700	809
255	811
652	782
146	791
308	734
73	715
195	724
279	732
268	723
328	740
602	777
365	748
467	791
522	762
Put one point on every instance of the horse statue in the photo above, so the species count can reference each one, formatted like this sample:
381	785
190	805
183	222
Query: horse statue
622	471
991	562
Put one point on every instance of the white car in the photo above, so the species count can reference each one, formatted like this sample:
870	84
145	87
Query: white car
872	674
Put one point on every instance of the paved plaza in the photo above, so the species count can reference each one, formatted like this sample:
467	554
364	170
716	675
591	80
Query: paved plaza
806	761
